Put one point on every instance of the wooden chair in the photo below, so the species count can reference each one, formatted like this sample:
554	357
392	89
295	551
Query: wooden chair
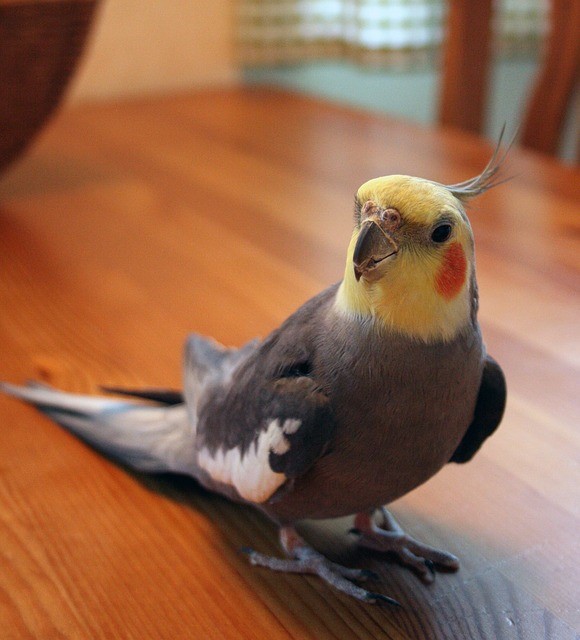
466	70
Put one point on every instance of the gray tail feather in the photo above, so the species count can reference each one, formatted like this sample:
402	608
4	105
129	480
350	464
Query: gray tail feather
168	397
145	437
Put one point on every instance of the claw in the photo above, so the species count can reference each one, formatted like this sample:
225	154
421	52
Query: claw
376	598
367	574
355	531
430	565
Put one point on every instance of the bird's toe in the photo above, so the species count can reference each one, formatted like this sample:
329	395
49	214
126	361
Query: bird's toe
305	559
390	538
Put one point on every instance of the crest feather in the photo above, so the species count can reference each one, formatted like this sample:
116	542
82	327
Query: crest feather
488	178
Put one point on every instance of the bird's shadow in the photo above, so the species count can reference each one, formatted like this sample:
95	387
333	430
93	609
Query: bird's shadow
477	602
242	526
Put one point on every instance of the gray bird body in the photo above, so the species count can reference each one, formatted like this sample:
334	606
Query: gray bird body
400	408
361	395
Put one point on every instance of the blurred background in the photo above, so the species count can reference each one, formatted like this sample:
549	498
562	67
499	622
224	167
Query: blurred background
387	56
383	55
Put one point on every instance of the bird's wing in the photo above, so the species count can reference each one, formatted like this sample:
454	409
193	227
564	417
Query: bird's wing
208	366
266	420
488	413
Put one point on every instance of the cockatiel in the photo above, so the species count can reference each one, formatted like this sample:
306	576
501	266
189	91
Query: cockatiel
360	396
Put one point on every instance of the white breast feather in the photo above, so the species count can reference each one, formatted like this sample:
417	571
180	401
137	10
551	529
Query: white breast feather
250	473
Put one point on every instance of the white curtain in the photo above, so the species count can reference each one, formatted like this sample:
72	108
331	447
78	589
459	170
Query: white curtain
399	32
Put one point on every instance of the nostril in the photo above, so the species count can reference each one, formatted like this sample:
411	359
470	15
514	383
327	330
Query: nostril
392	217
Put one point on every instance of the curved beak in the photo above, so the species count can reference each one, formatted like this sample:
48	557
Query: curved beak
373	245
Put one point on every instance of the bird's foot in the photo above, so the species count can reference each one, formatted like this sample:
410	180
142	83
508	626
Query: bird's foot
305	559
388	536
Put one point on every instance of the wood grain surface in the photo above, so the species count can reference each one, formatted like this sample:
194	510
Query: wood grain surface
130	225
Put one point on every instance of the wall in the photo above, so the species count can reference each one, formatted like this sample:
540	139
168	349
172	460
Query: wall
413	95
155	46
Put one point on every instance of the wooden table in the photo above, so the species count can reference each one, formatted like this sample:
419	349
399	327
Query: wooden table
128	226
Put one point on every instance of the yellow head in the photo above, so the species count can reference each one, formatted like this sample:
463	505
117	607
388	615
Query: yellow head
410	261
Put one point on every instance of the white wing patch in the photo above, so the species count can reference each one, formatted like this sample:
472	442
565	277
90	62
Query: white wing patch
250	473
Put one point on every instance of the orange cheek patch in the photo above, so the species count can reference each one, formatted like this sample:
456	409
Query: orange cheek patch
451	275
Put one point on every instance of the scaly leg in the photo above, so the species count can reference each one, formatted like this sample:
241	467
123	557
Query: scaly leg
304	559
389	536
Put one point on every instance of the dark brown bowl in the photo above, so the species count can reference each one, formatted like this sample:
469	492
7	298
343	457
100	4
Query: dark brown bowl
40	43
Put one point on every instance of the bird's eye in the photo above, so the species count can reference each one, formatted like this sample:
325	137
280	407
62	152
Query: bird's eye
441	233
